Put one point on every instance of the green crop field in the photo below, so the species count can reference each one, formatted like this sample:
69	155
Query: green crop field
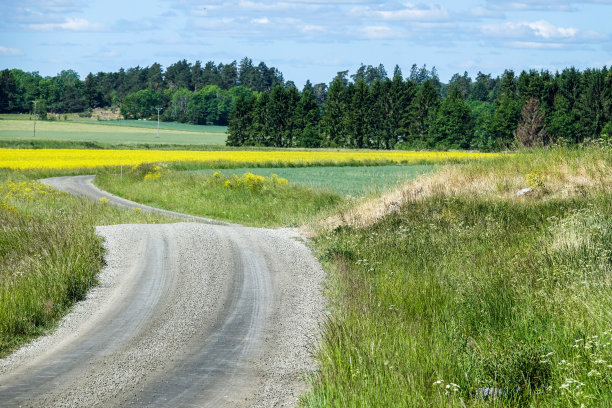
354	181
111	133
152	124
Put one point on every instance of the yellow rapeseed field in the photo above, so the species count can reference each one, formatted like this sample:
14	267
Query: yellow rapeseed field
24	159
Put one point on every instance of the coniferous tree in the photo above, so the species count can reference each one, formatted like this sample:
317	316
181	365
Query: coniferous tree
401	94
422	112
505	119
379	131
307	120
179	75
261	117
240	128
590	107
452	127
8	88
333	123
357	115
247	74
155	77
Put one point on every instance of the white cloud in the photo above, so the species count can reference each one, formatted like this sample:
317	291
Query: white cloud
419	13
276	6
71	24
263	20
547	30
408	11
10	52
541	29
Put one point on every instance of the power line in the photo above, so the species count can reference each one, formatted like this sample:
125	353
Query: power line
158	110
35	102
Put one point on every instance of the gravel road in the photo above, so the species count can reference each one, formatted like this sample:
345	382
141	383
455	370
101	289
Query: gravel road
192	314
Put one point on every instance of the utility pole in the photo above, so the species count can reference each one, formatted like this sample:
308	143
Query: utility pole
158	109
35	102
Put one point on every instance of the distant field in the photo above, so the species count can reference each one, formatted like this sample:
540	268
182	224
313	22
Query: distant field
111	132
354	181
167	125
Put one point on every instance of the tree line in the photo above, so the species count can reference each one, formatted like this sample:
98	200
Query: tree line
374	111
369	109
66	92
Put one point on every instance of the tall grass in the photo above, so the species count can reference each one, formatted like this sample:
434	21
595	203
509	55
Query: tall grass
49	254
462	299
263	202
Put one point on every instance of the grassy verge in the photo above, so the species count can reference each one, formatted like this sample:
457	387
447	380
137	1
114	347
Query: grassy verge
346	180
49	254
251	200
466	294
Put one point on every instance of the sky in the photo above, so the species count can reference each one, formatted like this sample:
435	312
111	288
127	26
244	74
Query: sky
307	39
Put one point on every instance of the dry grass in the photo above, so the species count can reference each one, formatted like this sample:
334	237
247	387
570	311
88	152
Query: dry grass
551	174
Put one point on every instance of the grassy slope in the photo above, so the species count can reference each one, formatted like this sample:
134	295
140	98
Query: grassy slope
21	130
49	254
354	181
469	287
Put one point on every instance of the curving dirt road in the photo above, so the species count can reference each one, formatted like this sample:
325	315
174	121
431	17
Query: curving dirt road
186	315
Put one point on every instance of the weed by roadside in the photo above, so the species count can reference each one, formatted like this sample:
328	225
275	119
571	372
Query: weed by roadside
49	254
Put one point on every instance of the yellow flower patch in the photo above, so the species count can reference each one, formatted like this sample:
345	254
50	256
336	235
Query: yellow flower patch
24	159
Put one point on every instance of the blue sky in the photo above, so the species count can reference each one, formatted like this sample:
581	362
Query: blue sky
308	39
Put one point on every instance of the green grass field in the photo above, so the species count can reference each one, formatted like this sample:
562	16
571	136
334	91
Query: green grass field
152	124
354	181
112	133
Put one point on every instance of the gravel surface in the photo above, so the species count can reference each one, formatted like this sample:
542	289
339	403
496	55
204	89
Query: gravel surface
186	314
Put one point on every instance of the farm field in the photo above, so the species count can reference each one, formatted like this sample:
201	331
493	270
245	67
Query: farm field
23	159
355	181
111	133
152	124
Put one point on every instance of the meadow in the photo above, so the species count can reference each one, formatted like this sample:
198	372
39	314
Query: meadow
466	294
109	133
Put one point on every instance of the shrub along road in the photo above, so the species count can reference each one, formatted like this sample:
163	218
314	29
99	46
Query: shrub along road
186	314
